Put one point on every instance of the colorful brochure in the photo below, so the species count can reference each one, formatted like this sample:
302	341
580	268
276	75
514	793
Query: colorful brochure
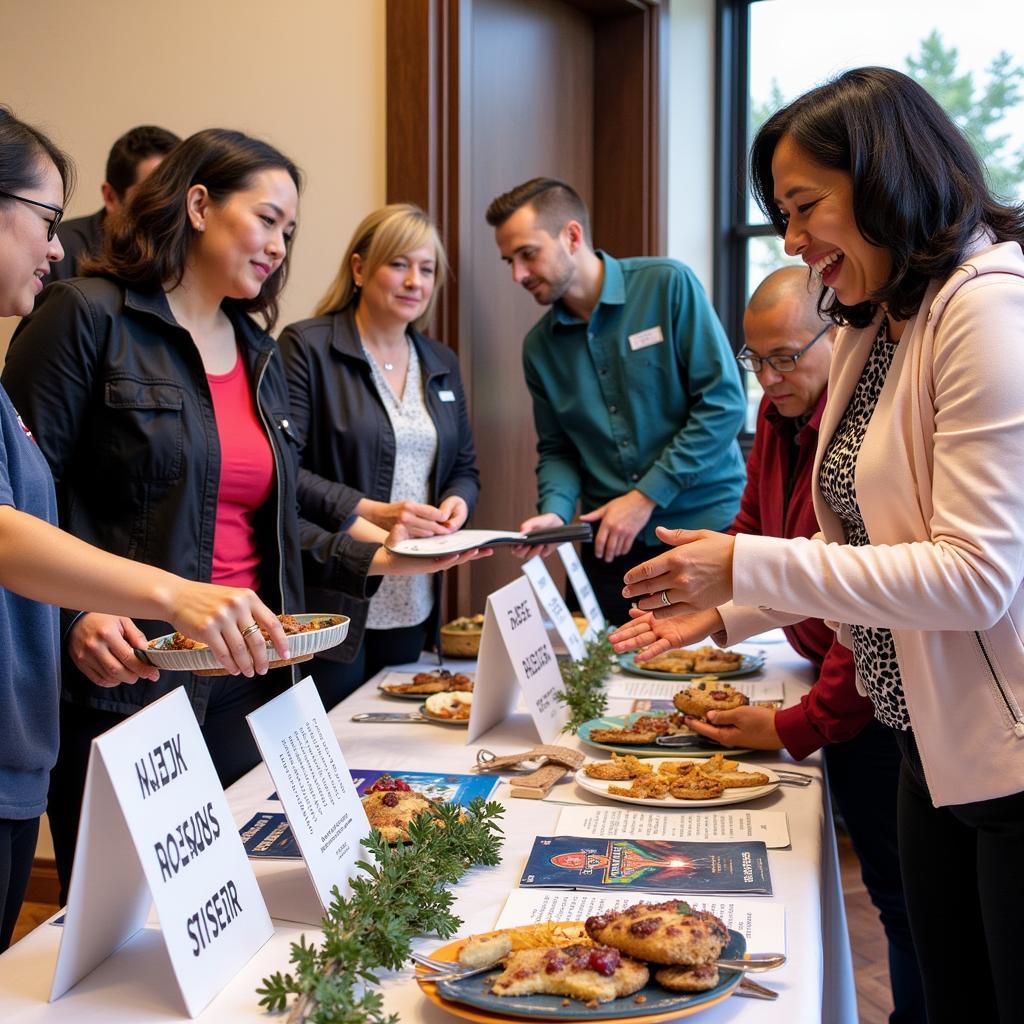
267	833
651	865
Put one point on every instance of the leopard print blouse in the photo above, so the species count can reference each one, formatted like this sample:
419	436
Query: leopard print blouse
874	652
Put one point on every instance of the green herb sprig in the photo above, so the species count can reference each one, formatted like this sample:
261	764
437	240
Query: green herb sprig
401	893
584	682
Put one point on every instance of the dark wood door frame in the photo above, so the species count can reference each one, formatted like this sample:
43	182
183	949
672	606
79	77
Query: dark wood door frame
423	105
427	52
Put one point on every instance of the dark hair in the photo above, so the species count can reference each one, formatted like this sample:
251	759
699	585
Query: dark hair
131	149
147	242
554	202
919	189
23	151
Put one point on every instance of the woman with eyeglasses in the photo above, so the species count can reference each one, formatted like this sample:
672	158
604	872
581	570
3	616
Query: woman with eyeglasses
381	412
40	566
162	408
921	557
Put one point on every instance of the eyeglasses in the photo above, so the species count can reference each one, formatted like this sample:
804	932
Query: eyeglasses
781	364
57	212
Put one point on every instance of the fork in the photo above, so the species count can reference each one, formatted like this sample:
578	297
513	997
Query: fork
449	971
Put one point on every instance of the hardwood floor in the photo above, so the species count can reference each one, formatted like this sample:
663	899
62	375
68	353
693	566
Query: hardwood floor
866	937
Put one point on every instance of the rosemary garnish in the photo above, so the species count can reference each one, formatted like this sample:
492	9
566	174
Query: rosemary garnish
402	892
584	682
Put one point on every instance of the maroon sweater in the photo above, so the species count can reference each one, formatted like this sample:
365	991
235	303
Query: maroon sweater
777	503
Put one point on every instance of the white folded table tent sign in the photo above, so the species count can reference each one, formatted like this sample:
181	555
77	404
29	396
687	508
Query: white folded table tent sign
516	656
580	583
554	604
315	787
156	827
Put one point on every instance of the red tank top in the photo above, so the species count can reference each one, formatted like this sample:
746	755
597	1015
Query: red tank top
246	478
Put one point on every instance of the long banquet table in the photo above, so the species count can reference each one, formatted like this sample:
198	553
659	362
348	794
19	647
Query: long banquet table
136	984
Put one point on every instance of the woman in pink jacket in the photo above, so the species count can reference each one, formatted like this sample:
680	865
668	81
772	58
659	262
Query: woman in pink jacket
916	488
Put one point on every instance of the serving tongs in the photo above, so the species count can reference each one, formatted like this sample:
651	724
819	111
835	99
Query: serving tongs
390	716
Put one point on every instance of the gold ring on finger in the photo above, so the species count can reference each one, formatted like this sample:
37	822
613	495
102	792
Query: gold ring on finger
250	629
665	599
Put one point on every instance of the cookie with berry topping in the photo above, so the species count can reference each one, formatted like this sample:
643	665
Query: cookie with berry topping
708	695
593	974
698	978
662	933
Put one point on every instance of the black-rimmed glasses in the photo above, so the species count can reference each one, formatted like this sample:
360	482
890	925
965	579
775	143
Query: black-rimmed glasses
57	212
782	363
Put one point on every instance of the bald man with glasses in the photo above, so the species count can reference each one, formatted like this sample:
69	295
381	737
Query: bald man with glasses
789	348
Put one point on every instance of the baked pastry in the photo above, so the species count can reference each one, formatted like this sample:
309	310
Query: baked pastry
695	786
391	811
708	695
180	642
699	978
663	933
644	787
484	950
453	706
643	731
425	683
618	769
593	974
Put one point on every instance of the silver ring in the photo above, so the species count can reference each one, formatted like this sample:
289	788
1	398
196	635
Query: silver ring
249	630
664	598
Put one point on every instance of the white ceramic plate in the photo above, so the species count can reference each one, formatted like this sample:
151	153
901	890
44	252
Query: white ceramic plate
737	795
300	644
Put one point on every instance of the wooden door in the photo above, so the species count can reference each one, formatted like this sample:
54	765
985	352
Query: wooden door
484	94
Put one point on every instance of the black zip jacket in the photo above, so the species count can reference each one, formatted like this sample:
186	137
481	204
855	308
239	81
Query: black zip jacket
116	395
348	444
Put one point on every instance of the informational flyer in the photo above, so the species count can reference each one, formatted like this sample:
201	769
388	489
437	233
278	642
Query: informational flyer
758	691
156	826
267	834
761	922
651	865
314	786
710	826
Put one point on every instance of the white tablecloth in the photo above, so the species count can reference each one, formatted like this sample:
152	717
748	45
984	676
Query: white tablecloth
136	984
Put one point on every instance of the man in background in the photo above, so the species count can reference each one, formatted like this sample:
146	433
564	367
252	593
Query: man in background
131	159
637	399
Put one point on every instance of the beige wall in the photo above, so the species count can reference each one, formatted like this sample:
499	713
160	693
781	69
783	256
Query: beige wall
308	76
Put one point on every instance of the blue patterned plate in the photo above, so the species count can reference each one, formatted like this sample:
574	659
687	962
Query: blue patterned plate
658	1003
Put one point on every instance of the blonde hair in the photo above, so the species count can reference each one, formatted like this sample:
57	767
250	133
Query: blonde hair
384	234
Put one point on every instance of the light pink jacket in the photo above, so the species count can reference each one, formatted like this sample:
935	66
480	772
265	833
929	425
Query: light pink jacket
940	484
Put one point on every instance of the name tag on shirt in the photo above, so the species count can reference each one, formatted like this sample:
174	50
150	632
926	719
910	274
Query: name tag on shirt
644	339
446	396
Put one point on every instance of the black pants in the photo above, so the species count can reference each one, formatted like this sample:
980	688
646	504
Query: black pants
17	850
606	578
863	776
227	735
380	648
963	875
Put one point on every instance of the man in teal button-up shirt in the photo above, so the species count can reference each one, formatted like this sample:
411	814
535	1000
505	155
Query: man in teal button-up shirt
637	398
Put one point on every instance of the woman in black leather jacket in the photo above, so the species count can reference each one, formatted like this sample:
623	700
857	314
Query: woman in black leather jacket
163	411
381	413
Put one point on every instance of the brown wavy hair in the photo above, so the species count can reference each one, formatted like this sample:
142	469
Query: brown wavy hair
147	242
